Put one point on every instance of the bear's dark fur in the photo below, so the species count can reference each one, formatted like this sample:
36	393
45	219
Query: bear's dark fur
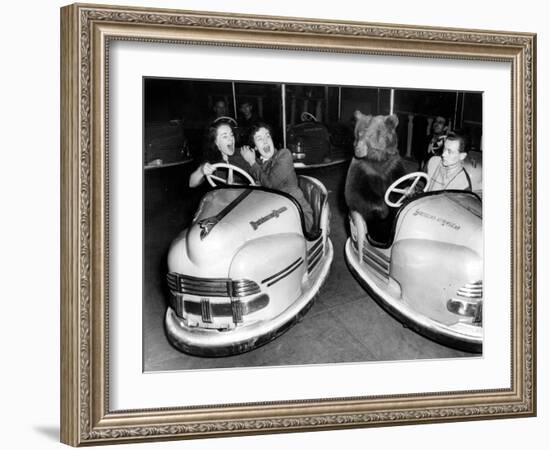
374	168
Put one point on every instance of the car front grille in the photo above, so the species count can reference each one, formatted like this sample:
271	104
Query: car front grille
207	309
211	287
471	290
377	261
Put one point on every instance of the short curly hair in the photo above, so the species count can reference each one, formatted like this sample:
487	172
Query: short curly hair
454	136
257	127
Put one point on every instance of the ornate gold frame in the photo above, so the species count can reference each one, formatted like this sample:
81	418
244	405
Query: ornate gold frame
86	31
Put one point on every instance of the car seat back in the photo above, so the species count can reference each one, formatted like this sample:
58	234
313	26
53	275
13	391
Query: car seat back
316	196
473	164
313	139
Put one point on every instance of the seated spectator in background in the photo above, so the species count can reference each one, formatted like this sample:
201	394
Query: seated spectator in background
435	140
447	171
247	120
219	108
248	116
220	148
275	168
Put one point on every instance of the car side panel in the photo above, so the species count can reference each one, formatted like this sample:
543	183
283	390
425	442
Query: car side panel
277	264
431	272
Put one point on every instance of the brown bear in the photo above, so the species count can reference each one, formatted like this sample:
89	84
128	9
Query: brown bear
374	168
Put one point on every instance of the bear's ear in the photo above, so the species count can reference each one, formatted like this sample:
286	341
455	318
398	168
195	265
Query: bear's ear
359	115
391	121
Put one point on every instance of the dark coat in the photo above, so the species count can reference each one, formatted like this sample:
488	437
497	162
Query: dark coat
366	185
278	173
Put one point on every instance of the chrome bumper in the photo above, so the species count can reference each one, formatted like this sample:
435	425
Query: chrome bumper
213	342
462	336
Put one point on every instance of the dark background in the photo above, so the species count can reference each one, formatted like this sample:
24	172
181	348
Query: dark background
183	109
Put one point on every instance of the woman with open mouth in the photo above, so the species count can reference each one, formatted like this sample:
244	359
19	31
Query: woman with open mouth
274	169
220	149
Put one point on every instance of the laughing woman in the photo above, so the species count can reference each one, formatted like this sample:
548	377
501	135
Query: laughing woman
221	149
275	169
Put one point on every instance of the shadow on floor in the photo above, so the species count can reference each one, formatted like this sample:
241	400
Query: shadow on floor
50	432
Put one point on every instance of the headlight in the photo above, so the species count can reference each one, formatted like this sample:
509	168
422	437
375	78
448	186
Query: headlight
468	302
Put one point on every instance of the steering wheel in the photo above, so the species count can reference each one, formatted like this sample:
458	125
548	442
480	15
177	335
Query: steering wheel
307	117
415	176
229	179
229	119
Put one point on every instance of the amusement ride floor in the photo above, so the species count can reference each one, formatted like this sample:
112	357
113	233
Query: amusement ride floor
344	325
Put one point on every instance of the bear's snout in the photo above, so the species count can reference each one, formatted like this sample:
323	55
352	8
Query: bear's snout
361	149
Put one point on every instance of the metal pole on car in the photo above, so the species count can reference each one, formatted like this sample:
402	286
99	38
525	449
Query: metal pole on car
455	113
339	103
462	110
234	100
283	94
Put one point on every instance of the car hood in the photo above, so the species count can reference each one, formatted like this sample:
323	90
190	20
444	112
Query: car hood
452	217
226	220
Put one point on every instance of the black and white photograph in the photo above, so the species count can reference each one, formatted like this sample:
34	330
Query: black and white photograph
202	247
279	219
296	224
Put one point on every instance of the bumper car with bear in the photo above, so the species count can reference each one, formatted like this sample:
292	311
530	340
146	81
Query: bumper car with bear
429	273
419	255
246	269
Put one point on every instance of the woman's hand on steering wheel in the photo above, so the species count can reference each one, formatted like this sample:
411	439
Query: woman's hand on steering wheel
207	169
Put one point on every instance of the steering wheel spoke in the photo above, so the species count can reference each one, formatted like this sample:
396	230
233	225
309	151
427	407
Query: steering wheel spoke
414	183
402	198
220	179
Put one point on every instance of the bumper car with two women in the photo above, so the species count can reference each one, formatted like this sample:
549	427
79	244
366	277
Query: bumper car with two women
247	268
428	271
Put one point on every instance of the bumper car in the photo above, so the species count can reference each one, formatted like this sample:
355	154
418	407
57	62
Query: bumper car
311	144
429	274
246	269
165	143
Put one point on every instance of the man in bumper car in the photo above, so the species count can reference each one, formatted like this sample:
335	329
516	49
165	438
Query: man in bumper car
447	171
436	139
